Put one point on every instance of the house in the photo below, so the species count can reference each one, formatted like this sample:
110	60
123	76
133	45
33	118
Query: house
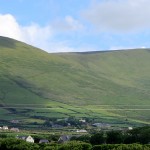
130	128
26	138
81	131
14	129
101	125
29	139
64	138
82	120
43	141
14	121
5	127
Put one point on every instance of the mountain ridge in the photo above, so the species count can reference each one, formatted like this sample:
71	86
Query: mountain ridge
111	80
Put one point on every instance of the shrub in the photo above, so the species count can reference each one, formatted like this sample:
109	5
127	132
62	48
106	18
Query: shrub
75	145
105	147
16	144
97	139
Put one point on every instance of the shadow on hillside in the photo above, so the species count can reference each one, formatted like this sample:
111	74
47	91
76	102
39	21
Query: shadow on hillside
7	42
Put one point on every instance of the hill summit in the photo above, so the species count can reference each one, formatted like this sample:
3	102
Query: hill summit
110	86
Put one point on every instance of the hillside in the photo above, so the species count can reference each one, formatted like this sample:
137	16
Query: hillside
112	86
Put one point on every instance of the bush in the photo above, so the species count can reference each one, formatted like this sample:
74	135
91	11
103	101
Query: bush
115	137
97	139
121	147
16	144
83	138
86	146
130	147
105	147
50	148
75	145
140	135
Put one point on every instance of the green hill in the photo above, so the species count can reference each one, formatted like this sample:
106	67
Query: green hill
110	86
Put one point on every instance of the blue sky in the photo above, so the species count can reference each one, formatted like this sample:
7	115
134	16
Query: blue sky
77	25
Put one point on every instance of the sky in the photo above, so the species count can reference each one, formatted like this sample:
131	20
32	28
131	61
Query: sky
77	25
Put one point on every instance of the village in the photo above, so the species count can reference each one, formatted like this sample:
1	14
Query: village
29	138
84	139
59	133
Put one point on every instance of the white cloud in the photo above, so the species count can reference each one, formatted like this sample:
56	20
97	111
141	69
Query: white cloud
125	47
9	27
72	23
65	46
32	34
121	48
60	47
119	15
67	24
36	35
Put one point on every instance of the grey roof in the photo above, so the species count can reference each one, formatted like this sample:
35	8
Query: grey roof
43	141
22	137
64	138
101	125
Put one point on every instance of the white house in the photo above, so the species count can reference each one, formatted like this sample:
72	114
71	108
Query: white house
5	127
130	128
30	139
82	131
26	138
82	120
14	129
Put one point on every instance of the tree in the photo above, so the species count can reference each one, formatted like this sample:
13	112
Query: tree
16	144
97	139
73	145
115	137
140	135
83	138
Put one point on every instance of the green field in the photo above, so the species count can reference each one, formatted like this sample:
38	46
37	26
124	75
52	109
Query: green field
110	86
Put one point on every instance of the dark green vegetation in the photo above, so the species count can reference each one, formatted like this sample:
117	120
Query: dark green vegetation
14	144
110	140
111	87
138	135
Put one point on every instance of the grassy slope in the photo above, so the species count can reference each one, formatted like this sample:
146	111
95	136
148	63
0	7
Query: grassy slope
87	81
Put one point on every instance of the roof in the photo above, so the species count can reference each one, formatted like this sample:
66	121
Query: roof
23	137
101	125
64	138
81	130
14	129
43	141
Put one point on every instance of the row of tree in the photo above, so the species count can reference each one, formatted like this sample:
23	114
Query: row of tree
16	144
137	135
116	140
